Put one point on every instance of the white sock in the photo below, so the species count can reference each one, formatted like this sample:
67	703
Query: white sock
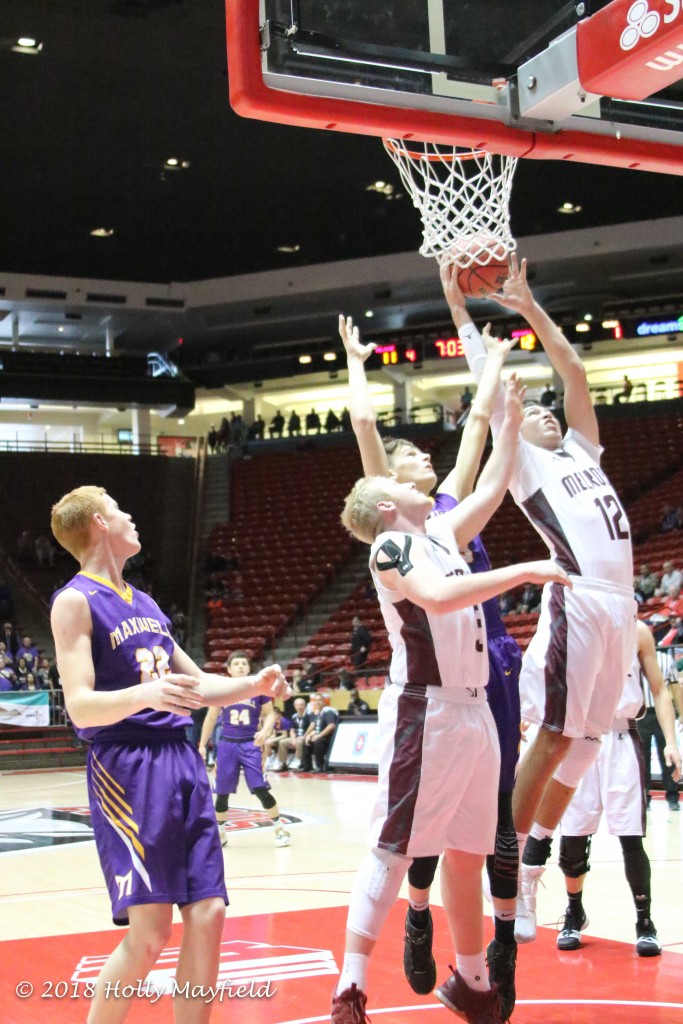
354	971
419	905
472	970
538	832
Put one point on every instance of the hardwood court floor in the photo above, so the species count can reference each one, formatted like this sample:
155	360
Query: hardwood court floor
284	932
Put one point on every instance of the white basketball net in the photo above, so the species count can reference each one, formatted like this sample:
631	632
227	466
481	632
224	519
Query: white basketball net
463	197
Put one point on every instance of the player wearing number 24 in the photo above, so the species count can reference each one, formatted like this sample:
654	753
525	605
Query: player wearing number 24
129	690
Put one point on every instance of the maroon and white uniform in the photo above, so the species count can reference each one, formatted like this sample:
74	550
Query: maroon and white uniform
439	754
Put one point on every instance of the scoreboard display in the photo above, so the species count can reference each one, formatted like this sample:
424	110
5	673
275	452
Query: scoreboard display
446	347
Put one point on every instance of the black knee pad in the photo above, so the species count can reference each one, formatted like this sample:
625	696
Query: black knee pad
221	802
574	854
265	796
421	872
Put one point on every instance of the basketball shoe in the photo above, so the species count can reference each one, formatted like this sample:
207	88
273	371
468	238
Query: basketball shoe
570	936
224	836
525	919
282	838
647	943
418	963
477	1007
501	960
349	1007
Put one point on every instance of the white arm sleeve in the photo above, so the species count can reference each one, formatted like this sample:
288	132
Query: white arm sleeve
475	353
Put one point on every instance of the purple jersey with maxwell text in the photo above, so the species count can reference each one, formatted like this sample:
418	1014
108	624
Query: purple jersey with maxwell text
240	721
480	563
131	644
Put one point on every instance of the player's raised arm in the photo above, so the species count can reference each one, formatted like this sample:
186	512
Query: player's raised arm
664	709
474	512
413	575
363	419
578	406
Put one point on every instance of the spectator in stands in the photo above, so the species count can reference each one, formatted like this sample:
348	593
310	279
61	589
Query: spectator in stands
310	677
361	642
293	743
178	625
212	439
312	422
347	680
507	603
277	425
465	404
55	681
6	600
29	682
531	599
625	393
29	652
345	419
281	727
44	549
238	430
258	427
25	548
224	435
10	638
21	670
332	421
42	674
357	707
294	424
645	584
319	734
548	397
671	520
674	637
295	681
670	578
8	680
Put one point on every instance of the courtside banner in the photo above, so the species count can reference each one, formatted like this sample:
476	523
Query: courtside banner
25	708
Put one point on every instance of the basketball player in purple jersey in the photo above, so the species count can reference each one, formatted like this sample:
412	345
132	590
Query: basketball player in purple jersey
407	463
129	691
241	748
574	668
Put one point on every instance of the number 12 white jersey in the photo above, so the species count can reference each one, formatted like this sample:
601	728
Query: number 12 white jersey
570	502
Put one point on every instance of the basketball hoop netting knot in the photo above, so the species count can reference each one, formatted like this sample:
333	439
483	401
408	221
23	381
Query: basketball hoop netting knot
463	197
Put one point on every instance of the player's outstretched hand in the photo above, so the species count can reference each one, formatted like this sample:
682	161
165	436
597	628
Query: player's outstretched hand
350	335
515	293
174	692
497	346
546	572
272	683
514	400
448	272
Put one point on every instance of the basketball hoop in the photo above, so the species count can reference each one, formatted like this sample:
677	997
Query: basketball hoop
463	197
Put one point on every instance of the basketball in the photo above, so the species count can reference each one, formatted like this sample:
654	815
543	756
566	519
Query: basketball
480	280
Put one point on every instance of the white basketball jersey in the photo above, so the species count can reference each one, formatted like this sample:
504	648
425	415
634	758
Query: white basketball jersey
571	503
447	651
632	698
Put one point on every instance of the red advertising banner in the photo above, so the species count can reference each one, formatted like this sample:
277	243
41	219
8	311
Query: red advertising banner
631	48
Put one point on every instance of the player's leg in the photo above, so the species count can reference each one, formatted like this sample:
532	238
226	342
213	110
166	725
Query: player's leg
467	991
574	864
374	892
198	960
227	777
130	963
419	966
638	875
252	763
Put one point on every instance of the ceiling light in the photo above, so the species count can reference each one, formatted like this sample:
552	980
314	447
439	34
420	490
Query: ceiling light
383	188
289	248
305	359
61	330
330	357
181	423
569	208
172	161
582	328
174	164
588	316
27	44
610	324
102	232
369	313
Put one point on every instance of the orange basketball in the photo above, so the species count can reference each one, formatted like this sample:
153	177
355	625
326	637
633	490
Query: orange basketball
480	280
